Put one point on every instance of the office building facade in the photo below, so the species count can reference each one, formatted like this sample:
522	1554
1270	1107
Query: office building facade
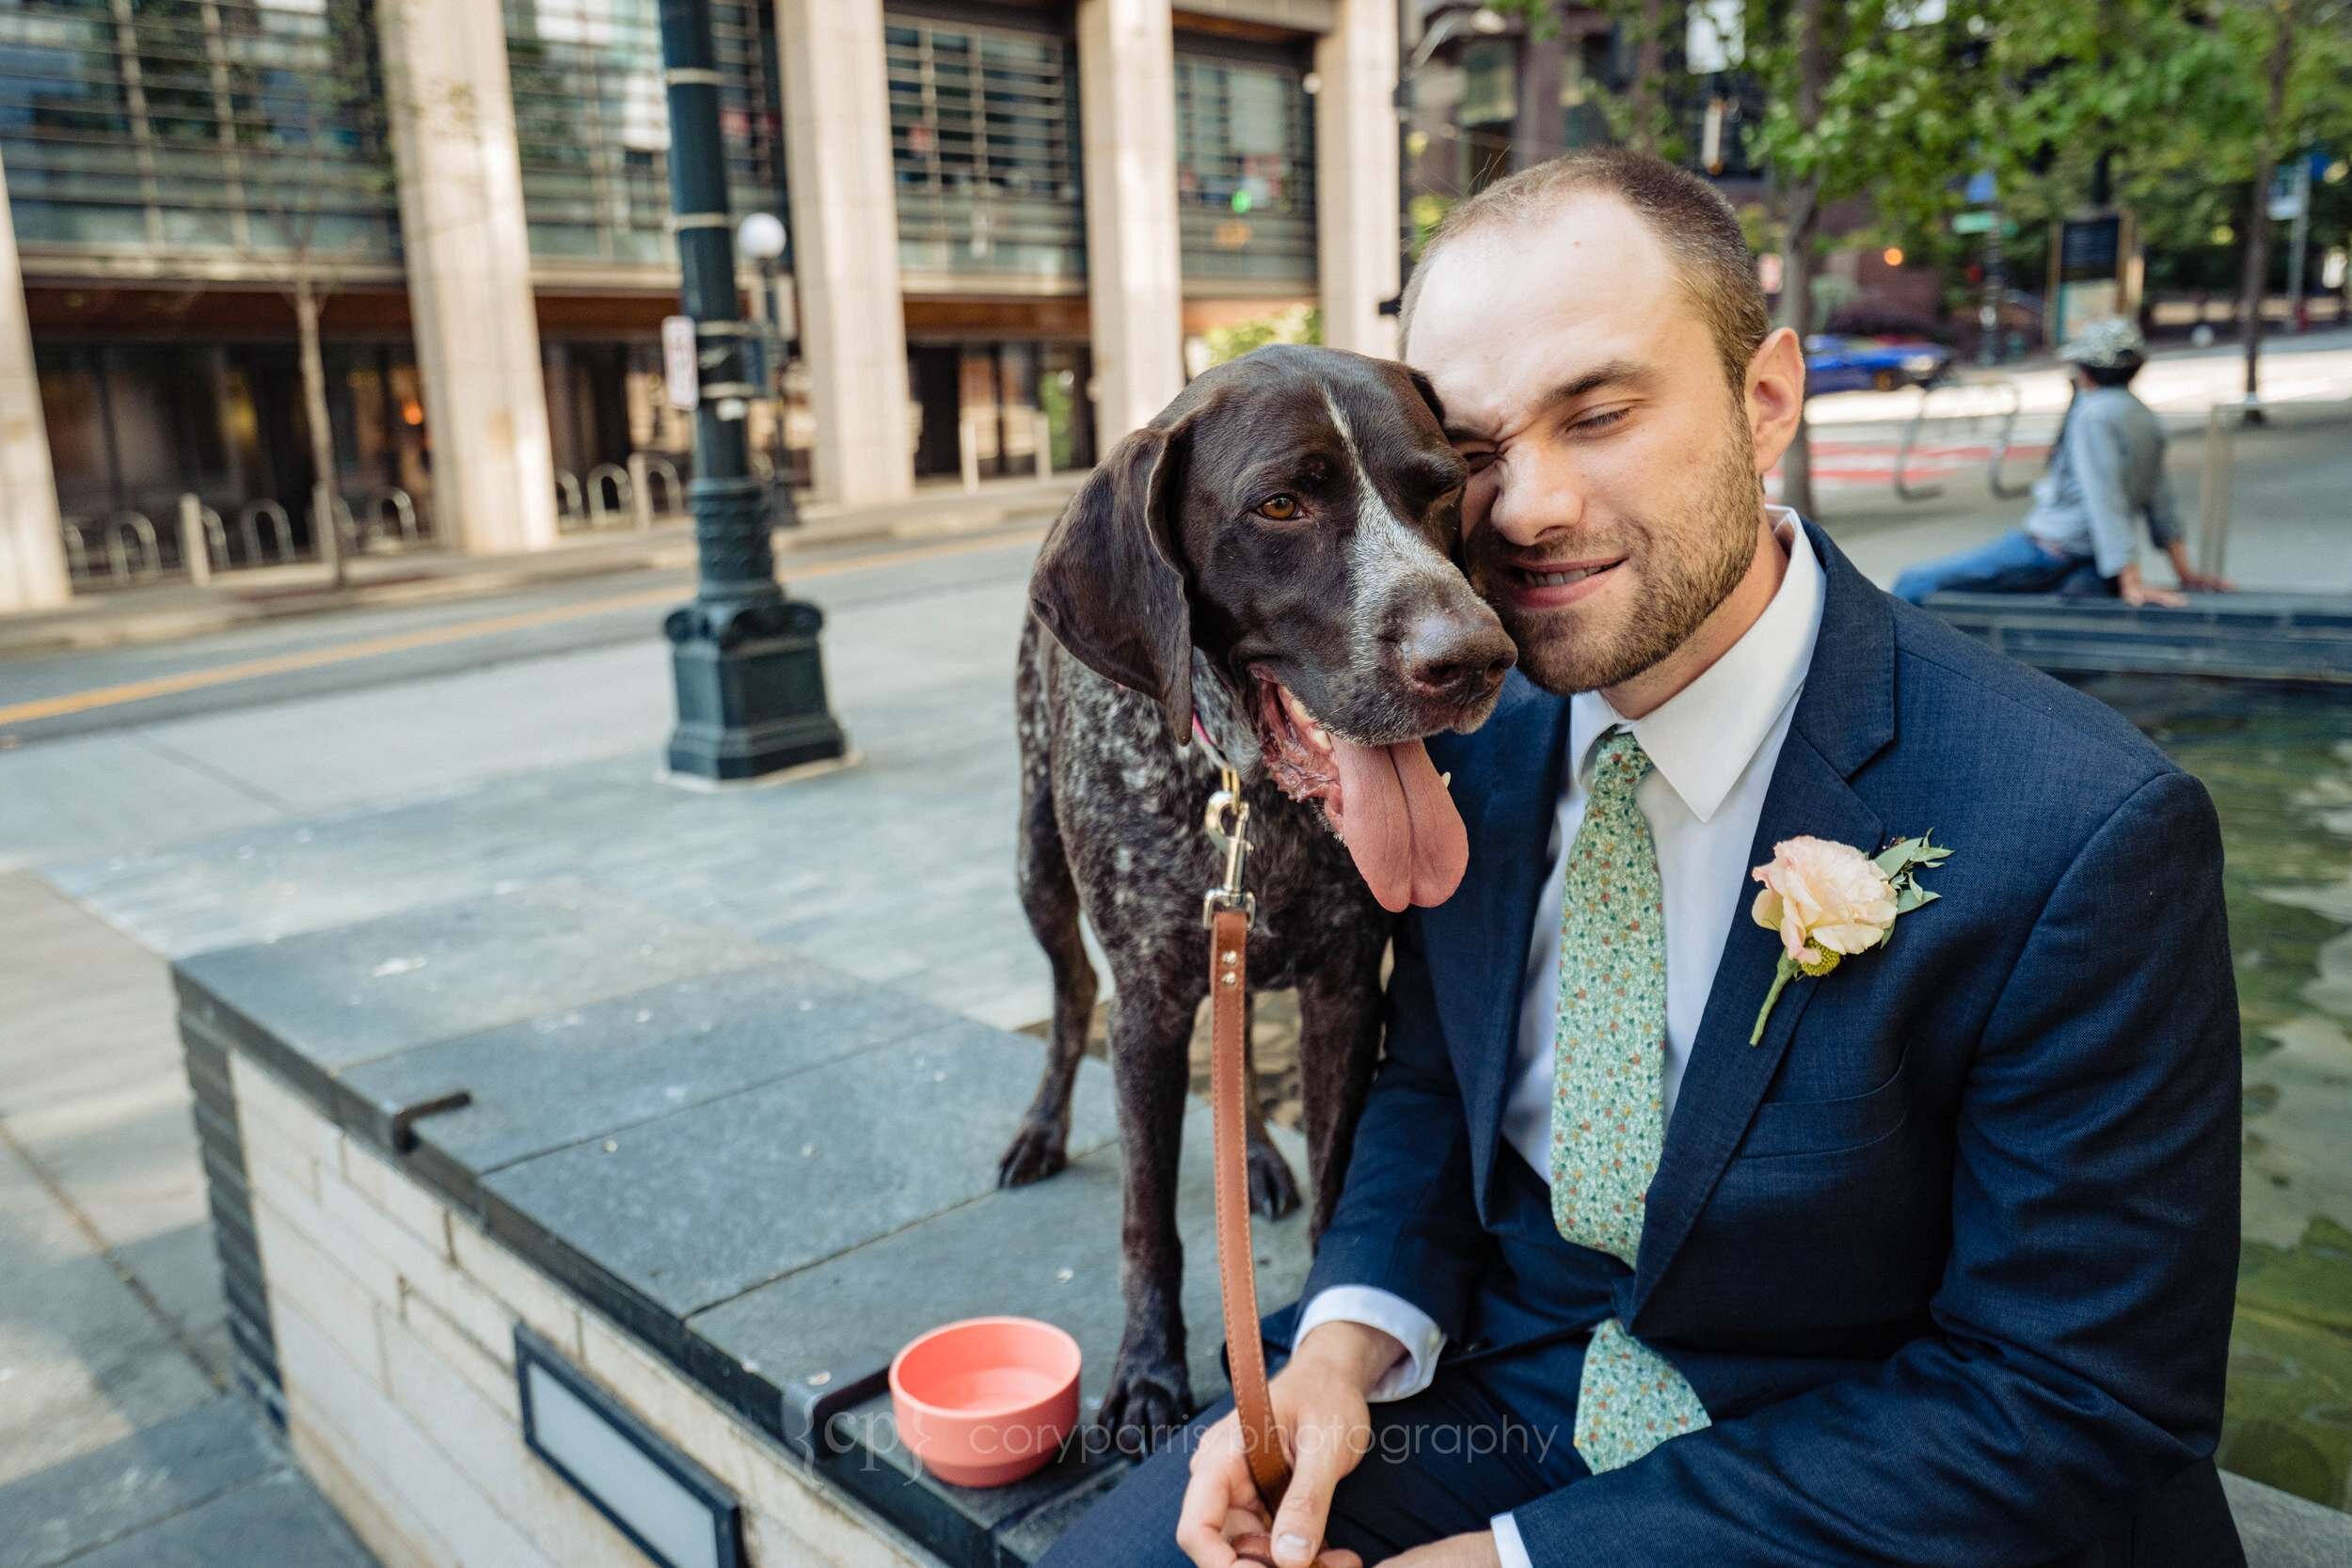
1004	222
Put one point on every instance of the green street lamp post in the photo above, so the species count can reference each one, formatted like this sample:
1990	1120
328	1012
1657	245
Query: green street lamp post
750	680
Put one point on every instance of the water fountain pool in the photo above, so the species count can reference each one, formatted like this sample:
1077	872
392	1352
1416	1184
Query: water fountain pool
2279	763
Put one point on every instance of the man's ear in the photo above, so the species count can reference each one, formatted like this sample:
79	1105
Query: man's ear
1774	397
1108	584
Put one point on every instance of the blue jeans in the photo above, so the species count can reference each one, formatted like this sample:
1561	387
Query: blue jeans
2013	563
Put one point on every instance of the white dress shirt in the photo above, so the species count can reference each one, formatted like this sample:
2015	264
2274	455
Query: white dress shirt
1714	745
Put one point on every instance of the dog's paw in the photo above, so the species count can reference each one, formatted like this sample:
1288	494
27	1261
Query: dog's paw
1272	1191
1146	1405
1035	1154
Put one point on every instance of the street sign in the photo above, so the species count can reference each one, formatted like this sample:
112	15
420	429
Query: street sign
1975	221
2091	248
1982	188
678	370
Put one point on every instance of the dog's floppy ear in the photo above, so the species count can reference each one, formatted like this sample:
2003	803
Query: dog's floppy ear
1428	393
1108	583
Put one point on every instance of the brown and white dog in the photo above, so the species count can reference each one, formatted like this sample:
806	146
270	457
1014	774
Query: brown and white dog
1267	566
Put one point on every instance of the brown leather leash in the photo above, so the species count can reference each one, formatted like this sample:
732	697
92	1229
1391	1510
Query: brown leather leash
1228	910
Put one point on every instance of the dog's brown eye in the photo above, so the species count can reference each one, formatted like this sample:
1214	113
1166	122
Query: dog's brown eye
1281	509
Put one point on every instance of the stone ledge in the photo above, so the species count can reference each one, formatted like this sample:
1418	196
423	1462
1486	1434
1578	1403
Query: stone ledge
729	1181
2288	637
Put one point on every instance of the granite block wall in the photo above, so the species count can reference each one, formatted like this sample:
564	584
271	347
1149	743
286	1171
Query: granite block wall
389	1324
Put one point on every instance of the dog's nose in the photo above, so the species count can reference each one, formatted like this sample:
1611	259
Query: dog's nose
1447	659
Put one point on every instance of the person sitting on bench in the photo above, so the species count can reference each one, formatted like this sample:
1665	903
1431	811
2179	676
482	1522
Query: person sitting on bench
2106	471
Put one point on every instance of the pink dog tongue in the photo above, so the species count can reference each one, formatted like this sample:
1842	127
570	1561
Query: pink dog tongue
1400	823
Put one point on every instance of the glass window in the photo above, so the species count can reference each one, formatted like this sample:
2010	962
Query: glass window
592	123
984	145
1490	91
1245	170
238	125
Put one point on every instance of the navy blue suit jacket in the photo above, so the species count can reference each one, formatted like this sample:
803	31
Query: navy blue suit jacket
1950	1254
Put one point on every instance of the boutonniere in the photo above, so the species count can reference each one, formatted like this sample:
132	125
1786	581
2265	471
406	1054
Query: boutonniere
1830	901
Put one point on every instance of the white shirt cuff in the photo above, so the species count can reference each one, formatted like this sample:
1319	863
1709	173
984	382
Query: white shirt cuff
1508	1546
1392	1314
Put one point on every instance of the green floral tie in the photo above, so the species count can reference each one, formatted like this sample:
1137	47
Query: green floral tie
1608	1106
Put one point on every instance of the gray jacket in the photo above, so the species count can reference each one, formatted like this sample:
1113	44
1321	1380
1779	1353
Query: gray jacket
2106	474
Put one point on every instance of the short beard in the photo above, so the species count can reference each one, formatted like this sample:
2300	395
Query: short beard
1682	590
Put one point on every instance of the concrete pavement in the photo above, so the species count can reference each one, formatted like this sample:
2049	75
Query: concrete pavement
122	1442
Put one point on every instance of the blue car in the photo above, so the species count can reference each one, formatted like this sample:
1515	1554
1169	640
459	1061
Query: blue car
1864	364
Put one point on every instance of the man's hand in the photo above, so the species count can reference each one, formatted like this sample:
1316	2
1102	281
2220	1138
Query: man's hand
2191	578
2136	592
1325	1424
1474	1550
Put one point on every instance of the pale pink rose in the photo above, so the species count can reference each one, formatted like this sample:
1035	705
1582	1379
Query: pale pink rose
1827	900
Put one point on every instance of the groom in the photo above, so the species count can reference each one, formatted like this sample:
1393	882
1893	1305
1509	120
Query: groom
1933	1266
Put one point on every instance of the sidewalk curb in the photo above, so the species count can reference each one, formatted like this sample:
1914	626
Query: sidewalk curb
92	625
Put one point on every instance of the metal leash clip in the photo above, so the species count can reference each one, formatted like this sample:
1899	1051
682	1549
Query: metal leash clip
1226	822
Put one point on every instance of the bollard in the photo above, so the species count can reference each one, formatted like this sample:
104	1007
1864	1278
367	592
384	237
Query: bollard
639	497
1044	442
2212	501
968	452
192	542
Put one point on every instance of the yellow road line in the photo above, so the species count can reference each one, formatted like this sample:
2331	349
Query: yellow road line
374	647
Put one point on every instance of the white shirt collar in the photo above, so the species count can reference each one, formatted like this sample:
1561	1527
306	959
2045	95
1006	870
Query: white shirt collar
1703	738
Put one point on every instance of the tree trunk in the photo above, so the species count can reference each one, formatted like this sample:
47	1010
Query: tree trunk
2258	209
308	307
1648	61
1805	223
1796	313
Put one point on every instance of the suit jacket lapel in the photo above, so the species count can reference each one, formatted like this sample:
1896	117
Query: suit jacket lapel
1844	717
1478	940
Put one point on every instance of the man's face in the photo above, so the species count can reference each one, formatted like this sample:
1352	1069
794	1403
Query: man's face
1614	497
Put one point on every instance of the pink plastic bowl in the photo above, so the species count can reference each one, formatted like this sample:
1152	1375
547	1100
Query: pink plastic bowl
986	1401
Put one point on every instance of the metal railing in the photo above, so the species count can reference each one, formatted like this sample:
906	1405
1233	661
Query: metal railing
135	525
570	500
383	499
643	469
125	549
616	495
603	479
2013	404
281	529
2001	444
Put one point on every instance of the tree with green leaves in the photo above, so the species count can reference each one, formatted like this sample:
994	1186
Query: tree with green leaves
2306	96
1863	98
2181	114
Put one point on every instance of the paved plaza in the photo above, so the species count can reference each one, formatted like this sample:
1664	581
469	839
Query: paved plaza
161	827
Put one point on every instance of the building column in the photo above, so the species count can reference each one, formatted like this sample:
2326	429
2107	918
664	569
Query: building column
1357	220
1540	130
1135	275
844	249
468	256
32	561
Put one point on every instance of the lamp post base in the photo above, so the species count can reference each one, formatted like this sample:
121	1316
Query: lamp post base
750	691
